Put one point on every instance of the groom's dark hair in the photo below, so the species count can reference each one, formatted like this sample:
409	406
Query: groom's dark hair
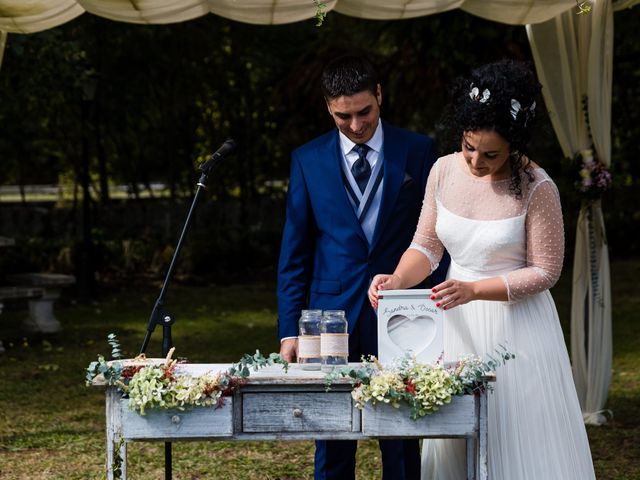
348	75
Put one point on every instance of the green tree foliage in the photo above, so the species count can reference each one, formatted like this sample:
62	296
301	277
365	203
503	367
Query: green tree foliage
151	102
165	96
40	102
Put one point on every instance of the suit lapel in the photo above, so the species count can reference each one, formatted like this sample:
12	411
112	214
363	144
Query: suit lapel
395	160
331	154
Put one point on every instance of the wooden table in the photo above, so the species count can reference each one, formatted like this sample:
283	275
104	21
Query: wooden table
274	405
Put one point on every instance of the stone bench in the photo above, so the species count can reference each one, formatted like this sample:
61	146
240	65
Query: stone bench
7	242
17	293
41	317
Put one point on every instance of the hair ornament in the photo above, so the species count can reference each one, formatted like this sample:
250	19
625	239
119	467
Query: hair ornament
516	108
474	94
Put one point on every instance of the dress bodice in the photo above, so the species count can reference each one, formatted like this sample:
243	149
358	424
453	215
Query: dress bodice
489	231
483	247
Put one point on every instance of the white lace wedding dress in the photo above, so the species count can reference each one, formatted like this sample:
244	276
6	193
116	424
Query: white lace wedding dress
536	431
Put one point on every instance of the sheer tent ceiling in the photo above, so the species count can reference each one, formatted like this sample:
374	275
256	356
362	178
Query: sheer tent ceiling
28	16
573	57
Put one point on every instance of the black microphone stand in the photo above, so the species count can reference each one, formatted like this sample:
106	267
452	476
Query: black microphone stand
160	316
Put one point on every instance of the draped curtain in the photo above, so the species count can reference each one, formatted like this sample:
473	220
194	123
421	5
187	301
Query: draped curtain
574	60
573	56
3	41
27	16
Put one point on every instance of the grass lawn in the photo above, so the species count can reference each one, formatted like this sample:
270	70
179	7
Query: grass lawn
52	426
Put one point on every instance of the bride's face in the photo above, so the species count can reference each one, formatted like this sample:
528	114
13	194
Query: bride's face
487	154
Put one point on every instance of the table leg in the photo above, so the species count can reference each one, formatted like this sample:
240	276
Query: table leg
116	445
471	458
483	438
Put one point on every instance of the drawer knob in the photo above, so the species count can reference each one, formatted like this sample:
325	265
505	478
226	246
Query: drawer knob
175	419
297	412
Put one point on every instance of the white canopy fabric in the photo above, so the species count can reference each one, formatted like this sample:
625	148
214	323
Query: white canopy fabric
573	56
574	59
3	41
28	16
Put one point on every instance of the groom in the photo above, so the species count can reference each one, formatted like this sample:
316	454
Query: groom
353	203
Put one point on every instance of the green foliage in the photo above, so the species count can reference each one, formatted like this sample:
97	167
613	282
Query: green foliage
41	89
321	12
116	467
111	371
492	363
189	86
358	375
255	362
116	352
152	102
583	7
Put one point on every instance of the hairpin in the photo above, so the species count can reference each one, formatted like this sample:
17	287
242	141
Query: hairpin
474	94
516	108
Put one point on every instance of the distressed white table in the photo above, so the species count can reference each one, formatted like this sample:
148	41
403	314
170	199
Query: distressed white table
274	405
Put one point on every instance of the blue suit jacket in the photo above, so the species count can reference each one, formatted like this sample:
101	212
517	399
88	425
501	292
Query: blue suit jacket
325	259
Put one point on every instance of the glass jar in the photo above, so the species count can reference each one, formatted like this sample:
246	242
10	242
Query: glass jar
309	339
334	339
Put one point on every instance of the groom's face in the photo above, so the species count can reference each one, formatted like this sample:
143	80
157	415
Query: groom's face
357	115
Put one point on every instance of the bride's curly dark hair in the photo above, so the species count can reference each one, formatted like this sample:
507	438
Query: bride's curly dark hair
486	101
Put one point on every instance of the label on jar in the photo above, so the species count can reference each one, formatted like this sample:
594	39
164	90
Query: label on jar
309	346
334	344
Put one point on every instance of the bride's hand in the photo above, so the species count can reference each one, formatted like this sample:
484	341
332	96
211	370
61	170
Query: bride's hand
382	282
452	293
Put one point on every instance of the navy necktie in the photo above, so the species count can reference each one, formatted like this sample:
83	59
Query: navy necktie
361	170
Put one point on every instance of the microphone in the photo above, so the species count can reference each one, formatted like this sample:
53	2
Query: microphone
227	148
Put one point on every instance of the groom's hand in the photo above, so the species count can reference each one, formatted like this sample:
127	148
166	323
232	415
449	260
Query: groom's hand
382	282
289	349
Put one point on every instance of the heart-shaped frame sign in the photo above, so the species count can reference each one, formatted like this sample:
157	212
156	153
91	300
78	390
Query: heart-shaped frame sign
412	333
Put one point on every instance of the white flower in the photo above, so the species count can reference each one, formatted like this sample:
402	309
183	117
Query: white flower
587	157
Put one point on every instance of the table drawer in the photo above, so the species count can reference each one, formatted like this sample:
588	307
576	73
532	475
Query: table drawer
199	422
296	412
454	419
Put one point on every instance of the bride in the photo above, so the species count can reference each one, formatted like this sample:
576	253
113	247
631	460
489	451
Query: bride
498	214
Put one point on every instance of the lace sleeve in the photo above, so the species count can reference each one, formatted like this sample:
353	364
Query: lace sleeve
425	239
545	244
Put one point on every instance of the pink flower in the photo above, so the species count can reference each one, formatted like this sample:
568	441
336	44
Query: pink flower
593	176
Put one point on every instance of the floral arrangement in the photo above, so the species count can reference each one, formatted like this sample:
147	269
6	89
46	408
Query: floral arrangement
158	386
594	178
423	387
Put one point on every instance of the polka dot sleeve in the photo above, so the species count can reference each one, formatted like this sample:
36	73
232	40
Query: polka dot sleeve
545	244
425	240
